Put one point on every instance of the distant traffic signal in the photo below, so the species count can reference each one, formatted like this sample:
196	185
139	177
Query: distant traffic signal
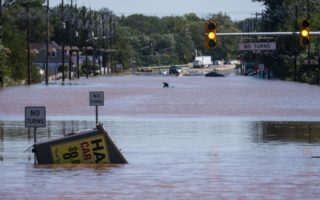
210	34
184	56
304	33
168	55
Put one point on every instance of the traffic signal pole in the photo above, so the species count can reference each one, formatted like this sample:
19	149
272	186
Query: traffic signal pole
268	34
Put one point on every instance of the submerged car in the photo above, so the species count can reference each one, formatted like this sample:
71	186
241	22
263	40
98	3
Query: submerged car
215	74
217	62
163	71
174	70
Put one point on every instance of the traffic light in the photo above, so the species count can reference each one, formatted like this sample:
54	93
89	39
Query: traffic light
210	34
184	56
168	55
304	33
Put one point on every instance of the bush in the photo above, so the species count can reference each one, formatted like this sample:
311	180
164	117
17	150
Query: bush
66	68
35	76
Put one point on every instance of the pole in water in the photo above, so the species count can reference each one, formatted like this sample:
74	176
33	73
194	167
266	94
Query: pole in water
96	114
35	141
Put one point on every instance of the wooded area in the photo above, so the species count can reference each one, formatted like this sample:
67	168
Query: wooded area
139	34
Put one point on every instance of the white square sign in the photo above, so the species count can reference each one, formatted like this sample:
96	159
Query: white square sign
261	67
96	98
35	116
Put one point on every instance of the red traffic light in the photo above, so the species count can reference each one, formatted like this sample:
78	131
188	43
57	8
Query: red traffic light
211	27
305	24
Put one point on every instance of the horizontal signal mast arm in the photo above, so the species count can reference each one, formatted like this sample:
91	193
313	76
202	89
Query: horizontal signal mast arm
267	34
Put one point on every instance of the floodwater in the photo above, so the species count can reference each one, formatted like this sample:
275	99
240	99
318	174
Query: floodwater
201	138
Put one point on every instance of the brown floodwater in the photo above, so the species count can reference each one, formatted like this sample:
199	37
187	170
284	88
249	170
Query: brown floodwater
202	138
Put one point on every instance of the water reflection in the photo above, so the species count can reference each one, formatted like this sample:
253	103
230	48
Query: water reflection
286	132
174	159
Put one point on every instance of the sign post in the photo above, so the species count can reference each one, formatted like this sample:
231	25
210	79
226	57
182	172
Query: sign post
35	117
261	69
96	99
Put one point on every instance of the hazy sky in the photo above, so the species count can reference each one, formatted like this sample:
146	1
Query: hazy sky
237	9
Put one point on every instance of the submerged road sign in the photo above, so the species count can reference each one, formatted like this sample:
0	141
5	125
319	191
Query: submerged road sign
96	98
35	116
88	147
257	46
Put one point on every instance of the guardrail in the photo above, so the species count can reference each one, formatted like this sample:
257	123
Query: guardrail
184	65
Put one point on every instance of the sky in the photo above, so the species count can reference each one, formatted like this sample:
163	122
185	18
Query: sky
236	9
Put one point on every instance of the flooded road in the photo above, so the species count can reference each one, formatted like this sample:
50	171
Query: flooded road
202	138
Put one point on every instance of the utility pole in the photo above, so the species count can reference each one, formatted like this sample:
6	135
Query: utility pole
78	67
70	53
107	41
93	48
114	40
98	54
28	41
262	53
150	45
295	45
86	38
1	73
269	67
47	44
309	56
62	45
104	46
281	77
111	61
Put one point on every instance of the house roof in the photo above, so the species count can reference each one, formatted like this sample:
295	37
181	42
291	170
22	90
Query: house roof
33	51
65	48
52	50
37	45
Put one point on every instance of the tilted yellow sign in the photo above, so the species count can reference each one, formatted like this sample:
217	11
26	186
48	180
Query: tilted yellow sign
90	150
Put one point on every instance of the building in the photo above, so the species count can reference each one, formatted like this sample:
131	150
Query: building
55	56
